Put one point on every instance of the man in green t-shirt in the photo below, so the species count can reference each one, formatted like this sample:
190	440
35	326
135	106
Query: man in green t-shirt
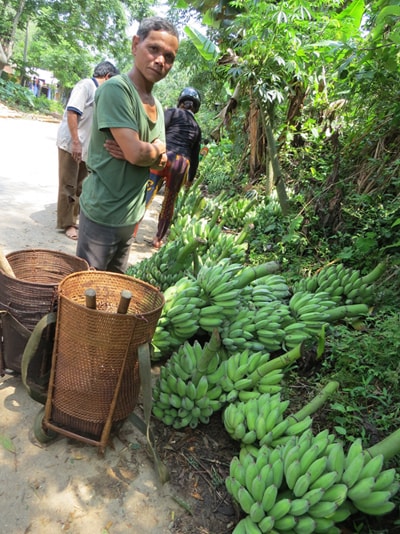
113	195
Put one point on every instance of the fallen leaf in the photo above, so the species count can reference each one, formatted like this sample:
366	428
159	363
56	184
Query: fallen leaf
7	443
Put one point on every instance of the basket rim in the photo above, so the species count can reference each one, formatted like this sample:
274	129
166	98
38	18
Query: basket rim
108	274
51	251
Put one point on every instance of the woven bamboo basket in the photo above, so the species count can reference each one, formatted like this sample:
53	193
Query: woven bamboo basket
33	292
31	295
95	377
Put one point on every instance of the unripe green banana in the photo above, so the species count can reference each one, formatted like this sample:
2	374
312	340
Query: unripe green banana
352	472
299	427
245	396
343	512
302	484
202	387
237	470
323	524
266	524
309	457
373	501
269	498
380	509
239	432
305	525
157	411
323	509
246	501
354	450
336	493
325	481
259	426
285	523
249	437
243	383
299	507
256	512
336	459
372	466
317	468
385	479
251	472
292	473
187	404
280	508
257	488
361	489
277	472
313	496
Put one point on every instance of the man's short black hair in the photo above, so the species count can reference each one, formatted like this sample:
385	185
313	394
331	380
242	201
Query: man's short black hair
156	24
105	67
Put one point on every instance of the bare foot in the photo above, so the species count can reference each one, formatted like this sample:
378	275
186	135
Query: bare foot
72	232
157	243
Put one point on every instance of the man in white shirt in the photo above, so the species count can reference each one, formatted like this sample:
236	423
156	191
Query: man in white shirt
73	142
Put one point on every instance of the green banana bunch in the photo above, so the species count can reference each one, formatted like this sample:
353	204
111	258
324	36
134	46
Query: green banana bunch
237	209
263	481
216	277
343	284
179	317
308	307
276	286
369	487
183	395
249	421
270	320
308	485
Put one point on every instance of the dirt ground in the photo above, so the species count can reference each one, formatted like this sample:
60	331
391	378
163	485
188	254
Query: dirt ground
66	485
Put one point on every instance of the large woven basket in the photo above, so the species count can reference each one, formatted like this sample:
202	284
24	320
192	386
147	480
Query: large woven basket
95	354
31	295
33	292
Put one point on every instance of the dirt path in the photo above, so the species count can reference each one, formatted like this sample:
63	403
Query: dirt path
64	486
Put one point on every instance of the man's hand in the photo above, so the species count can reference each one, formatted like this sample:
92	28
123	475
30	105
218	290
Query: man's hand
76	151
113	148
162	151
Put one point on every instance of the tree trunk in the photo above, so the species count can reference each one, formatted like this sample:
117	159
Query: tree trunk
277	177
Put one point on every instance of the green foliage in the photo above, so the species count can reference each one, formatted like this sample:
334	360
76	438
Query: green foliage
366	364
22	98
218	168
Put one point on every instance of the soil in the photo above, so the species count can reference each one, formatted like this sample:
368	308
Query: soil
68	485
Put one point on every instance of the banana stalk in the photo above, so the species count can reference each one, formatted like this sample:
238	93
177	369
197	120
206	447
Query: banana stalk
350	310
188	249
209	351
376	273
277	363
243	235
214	219
389	446
317	402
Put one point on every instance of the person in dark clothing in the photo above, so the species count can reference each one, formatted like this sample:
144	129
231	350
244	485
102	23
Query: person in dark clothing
183	140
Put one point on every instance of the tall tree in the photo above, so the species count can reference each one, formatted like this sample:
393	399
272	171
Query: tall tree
99	26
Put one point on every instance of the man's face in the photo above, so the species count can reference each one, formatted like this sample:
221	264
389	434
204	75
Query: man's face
155	55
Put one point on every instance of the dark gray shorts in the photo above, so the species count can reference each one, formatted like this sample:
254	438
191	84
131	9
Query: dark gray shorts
105	248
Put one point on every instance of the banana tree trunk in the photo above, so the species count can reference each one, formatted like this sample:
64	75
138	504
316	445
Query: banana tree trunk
277	178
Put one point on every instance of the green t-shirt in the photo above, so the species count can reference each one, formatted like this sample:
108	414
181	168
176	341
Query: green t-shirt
114	192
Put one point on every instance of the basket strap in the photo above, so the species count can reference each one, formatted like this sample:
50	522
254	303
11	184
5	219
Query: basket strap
144	426
29	352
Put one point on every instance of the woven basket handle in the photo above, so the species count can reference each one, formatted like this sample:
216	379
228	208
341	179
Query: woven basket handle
29	352
144	426
5	265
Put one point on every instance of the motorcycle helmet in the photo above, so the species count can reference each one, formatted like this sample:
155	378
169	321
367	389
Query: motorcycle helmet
189	93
